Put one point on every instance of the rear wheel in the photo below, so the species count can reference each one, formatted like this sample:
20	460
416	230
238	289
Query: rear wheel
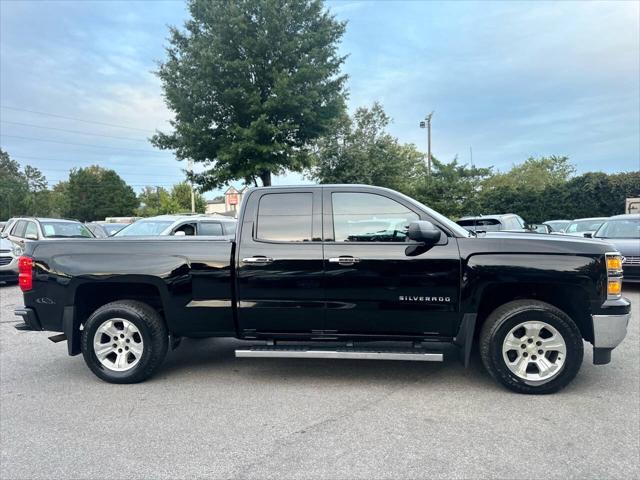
124	341
531	347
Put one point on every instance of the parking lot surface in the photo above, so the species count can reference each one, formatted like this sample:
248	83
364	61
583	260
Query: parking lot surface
208	414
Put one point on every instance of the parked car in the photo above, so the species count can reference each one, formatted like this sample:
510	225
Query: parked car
182	225
623	232
7	225
557	225
26	229
9	254
508	222
583	227
104	229
293	274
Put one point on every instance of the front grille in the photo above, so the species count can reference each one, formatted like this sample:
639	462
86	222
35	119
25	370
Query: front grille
5	260
631	261
5	251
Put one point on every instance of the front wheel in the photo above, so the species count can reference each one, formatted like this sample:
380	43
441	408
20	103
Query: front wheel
124	341
531	346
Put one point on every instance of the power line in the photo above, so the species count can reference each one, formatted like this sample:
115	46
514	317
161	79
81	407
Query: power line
89	162
119	173
81	144
72	131
75	119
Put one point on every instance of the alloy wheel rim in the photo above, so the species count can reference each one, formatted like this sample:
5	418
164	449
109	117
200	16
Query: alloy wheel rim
534	351
118	344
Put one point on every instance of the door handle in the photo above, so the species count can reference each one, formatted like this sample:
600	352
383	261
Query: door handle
344	260
258	260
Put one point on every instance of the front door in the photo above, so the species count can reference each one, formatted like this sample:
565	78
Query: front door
279	263
376	281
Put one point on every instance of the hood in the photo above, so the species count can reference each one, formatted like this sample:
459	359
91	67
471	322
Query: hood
544	243
6	244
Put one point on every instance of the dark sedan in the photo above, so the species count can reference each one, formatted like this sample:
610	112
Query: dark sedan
623	231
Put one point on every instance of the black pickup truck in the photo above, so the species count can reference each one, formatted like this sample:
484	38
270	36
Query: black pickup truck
334	271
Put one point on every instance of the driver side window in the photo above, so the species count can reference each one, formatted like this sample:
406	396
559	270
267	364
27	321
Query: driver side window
368	217
189	229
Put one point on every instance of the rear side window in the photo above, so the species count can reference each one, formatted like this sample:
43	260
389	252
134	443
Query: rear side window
210	228
285	217
19	228
367	217
31	229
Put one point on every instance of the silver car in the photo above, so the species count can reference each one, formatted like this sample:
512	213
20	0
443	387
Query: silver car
584	227
9	254
186	225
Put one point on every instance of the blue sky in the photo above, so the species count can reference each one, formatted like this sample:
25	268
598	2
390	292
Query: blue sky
509	79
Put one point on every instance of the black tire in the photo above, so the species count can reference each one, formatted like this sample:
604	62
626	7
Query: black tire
506	317
154	334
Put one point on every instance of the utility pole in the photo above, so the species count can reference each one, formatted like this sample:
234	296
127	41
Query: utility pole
426	123
471	154
193	197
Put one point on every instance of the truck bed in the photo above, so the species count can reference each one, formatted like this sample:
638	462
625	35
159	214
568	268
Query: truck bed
192	278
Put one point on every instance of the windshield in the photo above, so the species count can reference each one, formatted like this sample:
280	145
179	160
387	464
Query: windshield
65	230
144	227
584	226
480	224
557	226
622	228
112	228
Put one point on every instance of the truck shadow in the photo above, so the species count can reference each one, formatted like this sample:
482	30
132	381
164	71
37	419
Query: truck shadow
214	357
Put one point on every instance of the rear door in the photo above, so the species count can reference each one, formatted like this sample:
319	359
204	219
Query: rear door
375	281
279	262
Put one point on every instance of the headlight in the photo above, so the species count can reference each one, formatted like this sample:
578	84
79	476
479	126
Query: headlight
17	250
613	261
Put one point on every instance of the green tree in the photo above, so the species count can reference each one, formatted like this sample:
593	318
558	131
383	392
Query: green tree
37	196
534	173
452	188
534	189
13	187
156	201
94	193
181	194
360	150
252	84
59	200
597	194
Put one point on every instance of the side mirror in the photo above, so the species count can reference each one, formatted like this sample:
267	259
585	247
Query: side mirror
179	233
424	232
31	236
588	234
4	235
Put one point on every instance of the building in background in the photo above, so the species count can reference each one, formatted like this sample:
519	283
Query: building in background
229	203
632	205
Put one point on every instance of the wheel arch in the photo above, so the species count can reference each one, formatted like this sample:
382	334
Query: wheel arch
86	297
571	299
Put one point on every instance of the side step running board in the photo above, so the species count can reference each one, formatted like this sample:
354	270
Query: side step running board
339	353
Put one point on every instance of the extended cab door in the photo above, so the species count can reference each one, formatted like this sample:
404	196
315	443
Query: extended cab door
279	262
377	282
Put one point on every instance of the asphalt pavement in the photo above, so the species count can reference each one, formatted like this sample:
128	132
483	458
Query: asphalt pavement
208	414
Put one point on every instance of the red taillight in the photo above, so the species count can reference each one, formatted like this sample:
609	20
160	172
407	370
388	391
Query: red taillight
25	278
